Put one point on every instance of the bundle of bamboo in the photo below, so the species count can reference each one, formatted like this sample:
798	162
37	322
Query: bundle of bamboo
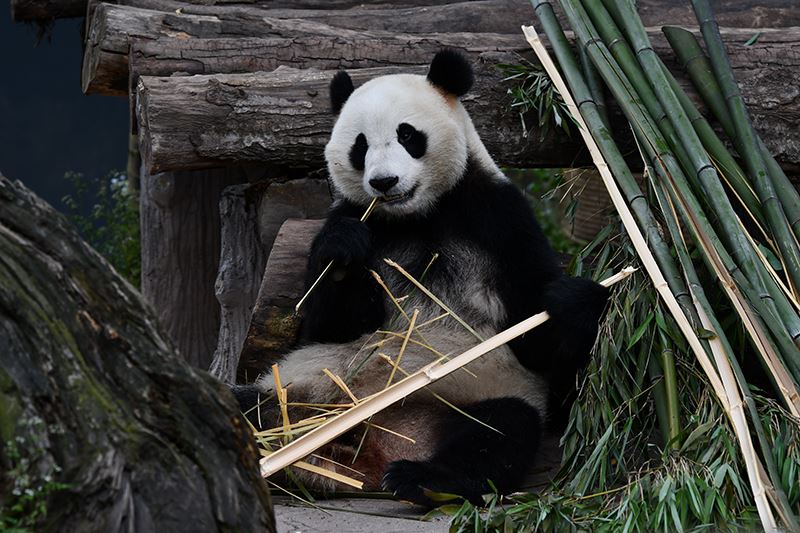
720	246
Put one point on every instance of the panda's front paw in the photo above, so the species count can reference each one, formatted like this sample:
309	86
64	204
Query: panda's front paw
346	241
575	300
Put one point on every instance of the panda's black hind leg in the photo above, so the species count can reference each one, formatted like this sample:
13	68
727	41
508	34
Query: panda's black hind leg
469	454
256	406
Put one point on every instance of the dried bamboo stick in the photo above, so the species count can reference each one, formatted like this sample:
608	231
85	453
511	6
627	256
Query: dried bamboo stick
371	405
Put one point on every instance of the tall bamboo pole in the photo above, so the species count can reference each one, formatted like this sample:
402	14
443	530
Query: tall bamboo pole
707	176
697	66
757	169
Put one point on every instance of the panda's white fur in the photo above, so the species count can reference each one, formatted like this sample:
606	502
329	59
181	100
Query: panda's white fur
488	273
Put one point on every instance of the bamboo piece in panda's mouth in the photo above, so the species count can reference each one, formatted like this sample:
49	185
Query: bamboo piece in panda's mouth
366	407
324	273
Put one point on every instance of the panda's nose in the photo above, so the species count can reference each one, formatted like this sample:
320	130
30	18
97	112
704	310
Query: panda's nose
384	184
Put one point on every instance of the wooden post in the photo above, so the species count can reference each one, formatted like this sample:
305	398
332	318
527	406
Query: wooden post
180	233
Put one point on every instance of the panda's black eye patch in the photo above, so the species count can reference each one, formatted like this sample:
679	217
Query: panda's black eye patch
358	152
414	141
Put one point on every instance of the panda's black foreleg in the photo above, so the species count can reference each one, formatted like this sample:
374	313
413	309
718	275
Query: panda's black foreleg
469	455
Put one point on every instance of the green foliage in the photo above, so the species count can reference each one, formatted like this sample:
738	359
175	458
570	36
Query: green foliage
546	189
534	92
620	471
26	485
112	223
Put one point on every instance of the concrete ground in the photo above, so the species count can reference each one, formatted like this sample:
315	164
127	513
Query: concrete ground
361	515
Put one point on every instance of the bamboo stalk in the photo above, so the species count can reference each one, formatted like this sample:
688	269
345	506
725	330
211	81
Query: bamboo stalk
647	257
635	234
770	301
364	217
748	146
670	217
610	151
375	403
723	159
696	64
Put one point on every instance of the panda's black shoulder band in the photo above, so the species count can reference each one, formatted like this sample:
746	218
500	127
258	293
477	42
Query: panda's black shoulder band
341	88
450	70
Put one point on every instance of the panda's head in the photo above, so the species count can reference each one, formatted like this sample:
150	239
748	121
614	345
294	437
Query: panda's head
402	138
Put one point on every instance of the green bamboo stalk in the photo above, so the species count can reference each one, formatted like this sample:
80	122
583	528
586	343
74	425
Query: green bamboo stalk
658	150
667	412
621	51
696	64
709	180
595	86
757	169
631	190
718	152
699	293
661	399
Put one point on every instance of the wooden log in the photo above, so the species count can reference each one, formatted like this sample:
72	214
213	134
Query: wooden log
282	117
101	423
274	325
47	10
180	235
313	45
113	28
251	217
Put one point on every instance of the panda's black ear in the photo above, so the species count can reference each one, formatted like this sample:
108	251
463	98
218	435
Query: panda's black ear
451	72
341	89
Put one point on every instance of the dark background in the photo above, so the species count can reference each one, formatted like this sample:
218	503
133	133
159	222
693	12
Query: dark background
47	125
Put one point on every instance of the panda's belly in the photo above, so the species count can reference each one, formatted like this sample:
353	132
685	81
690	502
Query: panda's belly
462	276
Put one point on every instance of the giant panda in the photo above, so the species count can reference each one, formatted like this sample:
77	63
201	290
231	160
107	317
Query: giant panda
450	218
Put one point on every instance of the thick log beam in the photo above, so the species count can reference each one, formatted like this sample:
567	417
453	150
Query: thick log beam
312	45
113	28
47	10
282	117
101	423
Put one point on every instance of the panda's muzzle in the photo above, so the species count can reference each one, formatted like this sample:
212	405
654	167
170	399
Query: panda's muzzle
400	198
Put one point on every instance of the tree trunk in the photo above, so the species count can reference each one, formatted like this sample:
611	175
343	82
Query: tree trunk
251	218
113	28
180	232
204	121
101	423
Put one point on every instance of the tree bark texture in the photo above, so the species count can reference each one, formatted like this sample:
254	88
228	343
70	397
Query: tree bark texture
274	324
282	117
180	235
251	217
113	28
94	398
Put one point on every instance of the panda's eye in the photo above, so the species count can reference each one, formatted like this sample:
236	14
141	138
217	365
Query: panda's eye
358	152
414	141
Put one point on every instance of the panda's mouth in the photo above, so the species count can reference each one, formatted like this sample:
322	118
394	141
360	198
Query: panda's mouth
396	199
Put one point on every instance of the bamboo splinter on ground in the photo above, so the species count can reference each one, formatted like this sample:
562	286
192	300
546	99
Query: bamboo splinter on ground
324	273
338	425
